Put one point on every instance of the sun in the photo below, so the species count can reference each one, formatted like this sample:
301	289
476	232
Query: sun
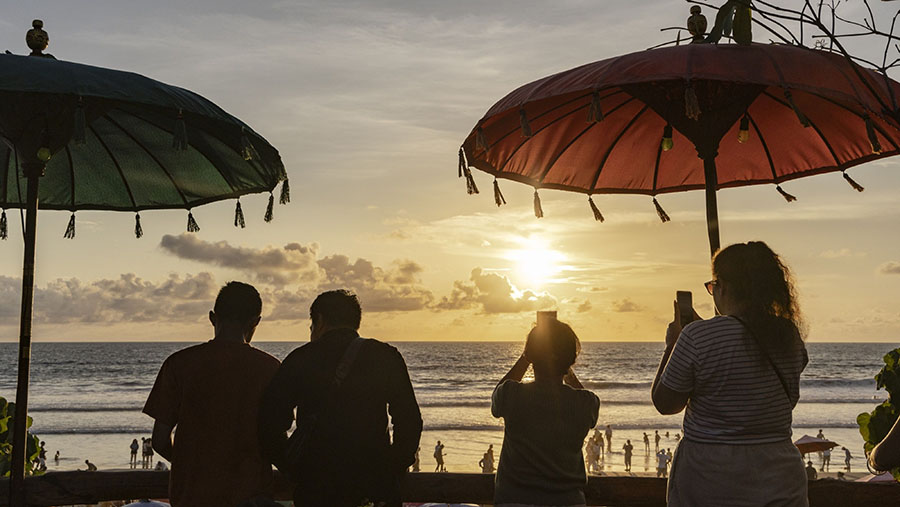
535	263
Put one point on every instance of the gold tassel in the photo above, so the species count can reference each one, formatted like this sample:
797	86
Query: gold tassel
691	103
192	224
661	212
239	216
597	216
538	211
462	163
498	197
800	116
4	232
787	197
744	132
471	187
595	113
481	139
856	186
285	196
667	142
70	229
78	130
179	137
523	121
138	230
873	138
270	209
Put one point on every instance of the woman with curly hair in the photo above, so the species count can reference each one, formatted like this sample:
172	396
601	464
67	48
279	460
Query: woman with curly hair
738	375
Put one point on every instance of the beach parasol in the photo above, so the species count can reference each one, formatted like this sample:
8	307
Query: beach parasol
807	444
77	137
696	116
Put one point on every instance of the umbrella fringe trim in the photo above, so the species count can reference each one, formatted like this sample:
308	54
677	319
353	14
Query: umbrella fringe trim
800	116
191	223
70	229
4	231
498	196
597	215
179	136
873	138
663	216
787	197
138	230
856	186
239	216
462	163
481	139
270	209
595	112
523	122
538	210
691	103
80	124
285	196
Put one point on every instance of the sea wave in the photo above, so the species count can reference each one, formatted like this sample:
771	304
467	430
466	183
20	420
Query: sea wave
113	408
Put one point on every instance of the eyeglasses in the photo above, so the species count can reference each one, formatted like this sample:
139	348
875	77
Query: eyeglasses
709	286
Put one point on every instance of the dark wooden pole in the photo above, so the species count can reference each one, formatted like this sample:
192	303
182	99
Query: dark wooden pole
712	207
33	172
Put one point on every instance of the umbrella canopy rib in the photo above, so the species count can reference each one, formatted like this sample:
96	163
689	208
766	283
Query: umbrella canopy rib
812	124
536	132
612	146
71	175
4	181
656	166
115	163
765	146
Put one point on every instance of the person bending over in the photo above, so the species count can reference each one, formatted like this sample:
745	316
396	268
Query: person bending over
545	423
740	371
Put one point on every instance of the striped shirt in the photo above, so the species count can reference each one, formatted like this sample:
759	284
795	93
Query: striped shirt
735	395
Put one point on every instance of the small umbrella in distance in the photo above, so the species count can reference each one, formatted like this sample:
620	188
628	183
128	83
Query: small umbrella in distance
807	444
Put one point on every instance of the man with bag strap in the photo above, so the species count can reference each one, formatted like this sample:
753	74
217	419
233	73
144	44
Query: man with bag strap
343	388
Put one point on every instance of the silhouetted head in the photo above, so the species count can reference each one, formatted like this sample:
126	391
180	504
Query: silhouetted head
552	348
237	310
335	309
809	463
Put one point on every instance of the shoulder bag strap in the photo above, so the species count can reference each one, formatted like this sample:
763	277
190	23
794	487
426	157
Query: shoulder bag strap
765	353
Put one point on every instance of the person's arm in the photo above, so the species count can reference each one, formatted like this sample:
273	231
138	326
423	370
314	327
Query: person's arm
666	400
162	439
571	380
517	371
405	415
276	413
886	455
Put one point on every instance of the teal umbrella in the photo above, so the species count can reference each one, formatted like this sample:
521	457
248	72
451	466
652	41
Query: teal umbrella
77	137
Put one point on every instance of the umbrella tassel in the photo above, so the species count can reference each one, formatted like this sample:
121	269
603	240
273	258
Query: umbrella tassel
270	209
744	131
192	224
498	197
595	113
179	138
691	103
462	163
80	124
787	197
481	139
800	116
239	216
471	187
4	232
523	122
285	196
873	138
667	142
597	215
538	211
138	230
661	212
856	186
70	229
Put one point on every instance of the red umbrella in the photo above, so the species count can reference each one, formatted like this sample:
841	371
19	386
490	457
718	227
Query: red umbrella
807	444
636	124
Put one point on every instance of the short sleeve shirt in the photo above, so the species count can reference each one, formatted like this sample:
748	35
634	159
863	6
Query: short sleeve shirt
735	395
541	462
211	393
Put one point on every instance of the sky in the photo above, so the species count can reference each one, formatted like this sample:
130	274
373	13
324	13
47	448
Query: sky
368	102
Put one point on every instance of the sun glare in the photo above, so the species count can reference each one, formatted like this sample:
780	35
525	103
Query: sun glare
535	263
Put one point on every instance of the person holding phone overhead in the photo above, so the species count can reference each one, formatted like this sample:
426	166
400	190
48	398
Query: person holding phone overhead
740	371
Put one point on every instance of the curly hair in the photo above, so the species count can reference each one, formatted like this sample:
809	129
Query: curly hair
762	284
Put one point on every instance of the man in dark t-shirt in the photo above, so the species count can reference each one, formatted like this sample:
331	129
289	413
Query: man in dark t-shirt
351	457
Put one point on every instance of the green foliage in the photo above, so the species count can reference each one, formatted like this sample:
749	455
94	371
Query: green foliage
32	442
875	426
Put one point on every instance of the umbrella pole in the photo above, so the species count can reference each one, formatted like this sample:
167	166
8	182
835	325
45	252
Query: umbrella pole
712	207
33	172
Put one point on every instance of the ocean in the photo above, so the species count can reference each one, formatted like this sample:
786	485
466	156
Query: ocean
86	398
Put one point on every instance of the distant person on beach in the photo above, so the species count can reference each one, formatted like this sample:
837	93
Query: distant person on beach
90	466
145	448
134	449
738	374
148	451
545	422
591	455
439	457
677	437
627	448
811	473
42	458
656	439
886	455
662	464
847	458
342	451
209	395
161	466
608	438
646	443
826	459
487	461
56	458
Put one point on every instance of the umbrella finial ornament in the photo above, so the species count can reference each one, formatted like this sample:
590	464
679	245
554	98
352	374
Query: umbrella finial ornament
787	197
70	229
856	186
595	113
538	211
523	121
239	216
667	142
800	116
80	124
4	232
744	131
663	216
191	223
691	103
179	135
270	209
285	196
597	215
873	138
37	39
498	197
138	230
696	24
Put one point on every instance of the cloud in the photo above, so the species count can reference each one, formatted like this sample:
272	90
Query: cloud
842	253
592	289
396	288
586	306
890	268
493	293
626	305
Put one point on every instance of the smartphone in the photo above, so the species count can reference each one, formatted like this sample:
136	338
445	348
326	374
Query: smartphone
544	317
685	306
